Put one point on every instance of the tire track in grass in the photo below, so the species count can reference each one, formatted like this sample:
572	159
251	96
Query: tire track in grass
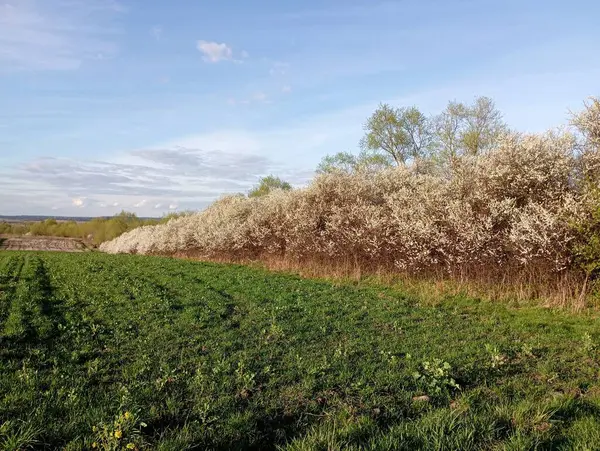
32	310
10	271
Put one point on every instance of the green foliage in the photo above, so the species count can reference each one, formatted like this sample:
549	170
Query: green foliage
434	377
17	436
341	161
402	134
129	352
398	136
175	215
463	129
268	184
13	229
123	433
349	163
497	359
587	247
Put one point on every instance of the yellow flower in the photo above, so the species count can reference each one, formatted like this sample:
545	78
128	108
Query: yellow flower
127	415
130	446
94	445
118	433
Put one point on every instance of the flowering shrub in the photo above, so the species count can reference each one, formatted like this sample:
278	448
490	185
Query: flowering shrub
518	206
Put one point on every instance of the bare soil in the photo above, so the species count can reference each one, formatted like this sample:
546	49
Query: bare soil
42	243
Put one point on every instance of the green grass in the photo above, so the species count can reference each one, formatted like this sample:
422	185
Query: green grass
177	355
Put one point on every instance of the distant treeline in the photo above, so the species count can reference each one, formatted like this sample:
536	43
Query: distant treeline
96	230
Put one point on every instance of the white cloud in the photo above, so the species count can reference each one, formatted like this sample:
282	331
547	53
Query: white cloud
245	54
286	89
141	203
158	206
79	202
173	207
214	52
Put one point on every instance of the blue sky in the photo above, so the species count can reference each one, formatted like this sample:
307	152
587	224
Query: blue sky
153	106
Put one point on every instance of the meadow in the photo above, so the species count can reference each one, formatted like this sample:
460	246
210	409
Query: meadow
138	352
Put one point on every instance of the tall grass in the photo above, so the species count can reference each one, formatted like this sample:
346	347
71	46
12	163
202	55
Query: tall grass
511	217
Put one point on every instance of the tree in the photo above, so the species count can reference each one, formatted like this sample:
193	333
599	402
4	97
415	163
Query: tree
588	122
484	126
404	134
126	216
349	163
268	184
449	125
468	129
340	162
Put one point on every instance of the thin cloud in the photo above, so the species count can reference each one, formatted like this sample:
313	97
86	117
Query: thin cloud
258	97
34	36
143	181
215	52
279	68
157	32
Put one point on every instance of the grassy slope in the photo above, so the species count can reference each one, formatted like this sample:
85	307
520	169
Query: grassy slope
175	355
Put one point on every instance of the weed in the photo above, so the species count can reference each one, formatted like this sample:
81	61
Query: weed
587	343
434	377
497	358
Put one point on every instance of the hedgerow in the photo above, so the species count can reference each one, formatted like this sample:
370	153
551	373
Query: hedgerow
523	207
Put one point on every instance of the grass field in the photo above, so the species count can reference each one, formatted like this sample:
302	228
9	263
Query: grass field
126	352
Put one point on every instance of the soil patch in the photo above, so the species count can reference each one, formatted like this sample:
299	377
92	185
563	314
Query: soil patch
42	243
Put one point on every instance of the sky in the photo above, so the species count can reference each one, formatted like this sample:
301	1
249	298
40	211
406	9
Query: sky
159	106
